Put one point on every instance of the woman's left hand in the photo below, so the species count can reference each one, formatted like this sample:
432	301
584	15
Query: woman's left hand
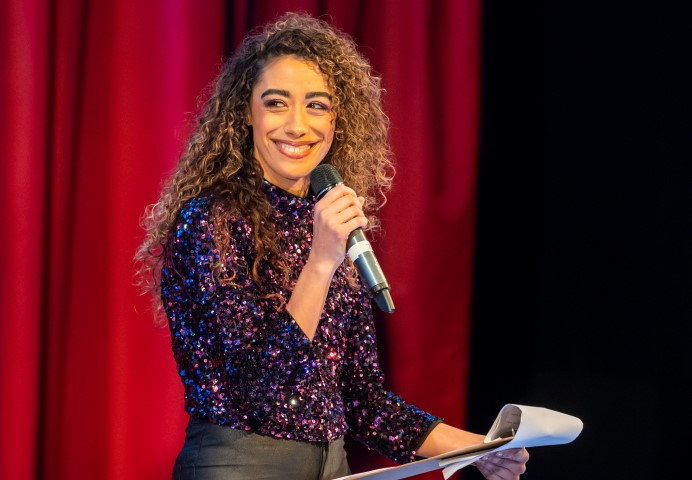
503	465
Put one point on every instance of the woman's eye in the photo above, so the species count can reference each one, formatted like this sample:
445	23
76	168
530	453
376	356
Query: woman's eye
318	106
274	103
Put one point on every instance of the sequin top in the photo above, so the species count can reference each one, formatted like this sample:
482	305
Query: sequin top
243	360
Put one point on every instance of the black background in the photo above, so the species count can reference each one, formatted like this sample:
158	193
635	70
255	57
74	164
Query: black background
583	273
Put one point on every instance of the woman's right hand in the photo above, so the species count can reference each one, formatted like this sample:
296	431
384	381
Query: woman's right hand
337	214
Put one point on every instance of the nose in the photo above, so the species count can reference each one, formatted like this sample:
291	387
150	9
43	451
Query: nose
296	123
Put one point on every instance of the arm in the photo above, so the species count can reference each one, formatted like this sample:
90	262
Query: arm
376	417
336	216
445	438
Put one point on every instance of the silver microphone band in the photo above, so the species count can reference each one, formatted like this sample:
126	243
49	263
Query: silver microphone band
358	249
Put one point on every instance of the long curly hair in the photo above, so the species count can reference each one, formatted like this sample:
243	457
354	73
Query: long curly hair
219	155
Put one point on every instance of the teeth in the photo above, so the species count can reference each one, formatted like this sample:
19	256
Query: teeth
294	150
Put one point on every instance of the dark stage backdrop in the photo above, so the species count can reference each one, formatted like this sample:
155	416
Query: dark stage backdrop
95	98
583	277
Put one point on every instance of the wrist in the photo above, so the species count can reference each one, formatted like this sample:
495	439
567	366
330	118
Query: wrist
321	267
445	438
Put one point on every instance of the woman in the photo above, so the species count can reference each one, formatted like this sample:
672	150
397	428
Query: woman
271	329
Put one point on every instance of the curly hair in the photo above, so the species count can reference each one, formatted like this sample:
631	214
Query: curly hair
219	155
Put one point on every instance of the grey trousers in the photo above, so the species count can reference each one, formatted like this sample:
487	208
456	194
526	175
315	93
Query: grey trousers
215	452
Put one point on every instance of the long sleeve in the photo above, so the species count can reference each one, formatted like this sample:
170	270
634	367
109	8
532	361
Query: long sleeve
376	417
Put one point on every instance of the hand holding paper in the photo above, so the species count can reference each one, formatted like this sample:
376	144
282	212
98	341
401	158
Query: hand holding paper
516	426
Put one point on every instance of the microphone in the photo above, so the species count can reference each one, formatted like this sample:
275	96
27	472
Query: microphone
322	179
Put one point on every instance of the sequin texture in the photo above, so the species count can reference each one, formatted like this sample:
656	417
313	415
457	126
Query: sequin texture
245	363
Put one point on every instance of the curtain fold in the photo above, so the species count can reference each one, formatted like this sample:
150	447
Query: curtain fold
23	138
96	97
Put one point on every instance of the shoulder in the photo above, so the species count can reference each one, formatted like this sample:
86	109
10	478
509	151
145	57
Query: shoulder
200	216
197	208
195	215
206	209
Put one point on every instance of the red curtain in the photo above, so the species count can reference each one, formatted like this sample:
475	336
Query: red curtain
95	98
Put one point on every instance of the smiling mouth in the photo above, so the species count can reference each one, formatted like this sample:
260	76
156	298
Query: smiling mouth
294	150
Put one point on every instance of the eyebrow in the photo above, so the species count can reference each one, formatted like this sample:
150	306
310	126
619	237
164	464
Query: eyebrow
310	95
285	93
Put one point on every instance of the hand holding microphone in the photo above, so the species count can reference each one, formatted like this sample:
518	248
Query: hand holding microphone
322	179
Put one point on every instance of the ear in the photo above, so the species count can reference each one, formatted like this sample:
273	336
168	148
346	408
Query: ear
248	118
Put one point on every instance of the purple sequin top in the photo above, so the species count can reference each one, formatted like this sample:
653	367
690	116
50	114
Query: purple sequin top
245	363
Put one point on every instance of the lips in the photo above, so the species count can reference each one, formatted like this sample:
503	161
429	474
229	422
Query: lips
294	151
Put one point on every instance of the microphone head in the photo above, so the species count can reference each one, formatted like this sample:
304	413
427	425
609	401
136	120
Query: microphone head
323	178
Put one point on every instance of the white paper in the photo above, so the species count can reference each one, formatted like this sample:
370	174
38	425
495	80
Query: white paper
530	427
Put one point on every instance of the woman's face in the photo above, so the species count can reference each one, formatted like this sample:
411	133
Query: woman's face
292	122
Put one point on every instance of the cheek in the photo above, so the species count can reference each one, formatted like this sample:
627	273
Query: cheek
329	133
328	141
263	125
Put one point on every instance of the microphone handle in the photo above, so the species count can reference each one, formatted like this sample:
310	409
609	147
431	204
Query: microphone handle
360	252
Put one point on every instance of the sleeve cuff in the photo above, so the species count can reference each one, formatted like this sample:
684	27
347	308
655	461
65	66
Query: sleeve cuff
421	441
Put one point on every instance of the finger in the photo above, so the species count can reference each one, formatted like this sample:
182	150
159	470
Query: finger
337	199
346	205
493	471
518	454
349	212
344	222
337	192
355	222
504	465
